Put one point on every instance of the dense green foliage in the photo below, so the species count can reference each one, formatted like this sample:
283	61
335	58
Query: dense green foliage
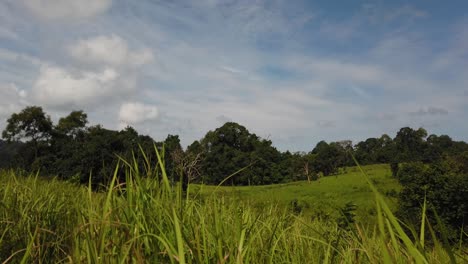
71	150
444	186
232	147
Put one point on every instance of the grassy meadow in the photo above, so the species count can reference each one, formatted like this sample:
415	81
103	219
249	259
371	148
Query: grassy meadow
151	221
322	198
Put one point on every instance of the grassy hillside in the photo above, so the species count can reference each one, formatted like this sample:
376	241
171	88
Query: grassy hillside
150	221
321	198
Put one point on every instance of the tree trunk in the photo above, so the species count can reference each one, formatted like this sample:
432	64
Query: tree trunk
306	170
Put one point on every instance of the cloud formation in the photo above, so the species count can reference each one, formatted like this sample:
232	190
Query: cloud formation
102	72
133	113
57	87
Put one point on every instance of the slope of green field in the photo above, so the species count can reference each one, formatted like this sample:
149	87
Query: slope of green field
321	198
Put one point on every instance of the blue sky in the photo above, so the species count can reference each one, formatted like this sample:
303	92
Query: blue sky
295	72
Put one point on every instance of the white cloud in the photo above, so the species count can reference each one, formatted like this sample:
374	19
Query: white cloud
58	87
113	78
66	9
132	113
109	50
102	49
11	99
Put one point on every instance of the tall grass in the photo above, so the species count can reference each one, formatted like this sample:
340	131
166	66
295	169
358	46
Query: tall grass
147	220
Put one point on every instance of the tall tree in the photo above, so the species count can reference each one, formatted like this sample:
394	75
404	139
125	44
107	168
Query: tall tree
231	148
410	144
67	146
30	125
73	124
329	157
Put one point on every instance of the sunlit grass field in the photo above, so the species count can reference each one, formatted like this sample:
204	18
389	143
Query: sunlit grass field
321	198
148	220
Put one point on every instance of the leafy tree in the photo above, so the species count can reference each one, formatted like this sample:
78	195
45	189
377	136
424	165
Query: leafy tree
140	148
375	150
99	154
224	151
267	157
293	165
329	157
346	150
66	146
387	151
231	148
73	124
366	151
410	144
30	125
443	186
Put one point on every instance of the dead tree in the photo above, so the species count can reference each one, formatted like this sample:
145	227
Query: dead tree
187	166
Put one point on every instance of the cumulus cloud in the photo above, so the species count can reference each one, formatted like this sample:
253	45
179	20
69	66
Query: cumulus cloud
66	9
132	113
113	77
58	87
110	50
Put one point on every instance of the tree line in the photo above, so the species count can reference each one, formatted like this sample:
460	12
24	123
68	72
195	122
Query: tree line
72	149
